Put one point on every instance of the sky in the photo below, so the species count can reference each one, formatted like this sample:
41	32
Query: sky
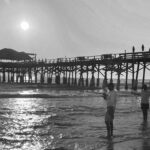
70	28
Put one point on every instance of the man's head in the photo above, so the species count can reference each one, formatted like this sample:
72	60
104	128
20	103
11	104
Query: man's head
111	86
144	87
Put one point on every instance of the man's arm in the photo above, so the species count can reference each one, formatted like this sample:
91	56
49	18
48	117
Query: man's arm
105	96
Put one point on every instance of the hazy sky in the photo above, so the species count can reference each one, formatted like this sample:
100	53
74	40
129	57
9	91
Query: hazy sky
70	28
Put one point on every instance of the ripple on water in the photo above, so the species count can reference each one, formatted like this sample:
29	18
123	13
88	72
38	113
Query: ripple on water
69	124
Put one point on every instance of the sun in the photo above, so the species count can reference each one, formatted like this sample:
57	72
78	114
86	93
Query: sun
24	25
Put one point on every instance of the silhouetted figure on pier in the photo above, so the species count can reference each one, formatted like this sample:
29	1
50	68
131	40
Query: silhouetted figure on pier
133	49
145	102
142	47
111	100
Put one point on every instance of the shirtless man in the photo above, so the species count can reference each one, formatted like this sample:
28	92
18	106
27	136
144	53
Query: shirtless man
111	100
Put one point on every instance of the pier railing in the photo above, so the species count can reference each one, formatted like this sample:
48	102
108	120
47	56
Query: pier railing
122	56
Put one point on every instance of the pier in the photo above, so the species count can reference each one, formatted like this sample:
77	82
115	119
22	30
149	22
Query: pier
83	71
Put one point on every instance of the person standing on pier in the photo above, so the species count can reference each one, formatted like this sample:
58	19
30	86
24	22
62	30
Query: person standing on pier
111	100
145	102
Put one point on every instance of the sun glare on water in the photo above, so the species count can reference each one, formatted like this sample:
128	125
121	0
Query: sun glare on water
24	25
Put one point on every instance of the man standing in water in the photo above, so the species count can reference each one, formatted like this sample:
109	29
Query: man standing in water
145	102
111	100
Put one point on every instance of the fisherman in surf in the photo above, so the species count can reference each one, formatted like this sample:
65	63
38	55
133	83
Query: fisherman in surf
111	100
145	94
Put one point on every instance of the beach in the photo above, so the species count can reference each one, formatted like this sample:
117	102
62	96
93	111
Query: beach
70	120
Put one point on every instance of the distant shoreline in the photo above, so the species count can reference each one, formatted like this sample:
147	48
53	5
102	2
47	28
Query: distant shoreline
40	86
52	86
9	91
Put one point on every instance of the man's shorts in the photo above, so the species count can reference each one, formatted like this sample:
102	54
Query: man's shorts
144	106
109	114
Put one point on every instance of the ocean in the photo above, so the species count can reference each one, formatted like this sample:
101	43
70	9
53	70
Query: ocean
72	121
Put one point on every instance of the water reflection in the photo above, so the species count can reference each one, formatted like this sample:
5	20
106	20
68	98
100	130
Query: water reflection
59	123
144	127
29	92
22	125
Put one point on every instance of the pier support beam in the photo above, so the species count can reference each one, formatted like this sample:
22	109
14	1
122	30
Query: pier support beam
69	76
136	80
64	80
49	80
72	75
57	79
144	68
126	82
35	74
81	80
105	79
8	77
87	76
133	61
98	79
118	81
75	76
111	77
119	73
92	82
4	79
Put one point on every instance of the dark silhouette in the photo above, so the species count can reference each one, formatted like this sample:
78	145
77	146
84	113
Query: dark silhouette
133	49
142	47
145	102
11	54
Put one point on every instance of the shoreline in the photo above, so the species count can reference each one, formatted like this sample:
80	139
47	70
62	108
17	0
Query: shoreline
40	96
57	86
50	86
14	86
11	91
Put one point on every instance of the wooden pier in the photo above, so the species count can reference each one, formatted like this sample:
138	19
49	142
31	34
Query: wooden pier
85	71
